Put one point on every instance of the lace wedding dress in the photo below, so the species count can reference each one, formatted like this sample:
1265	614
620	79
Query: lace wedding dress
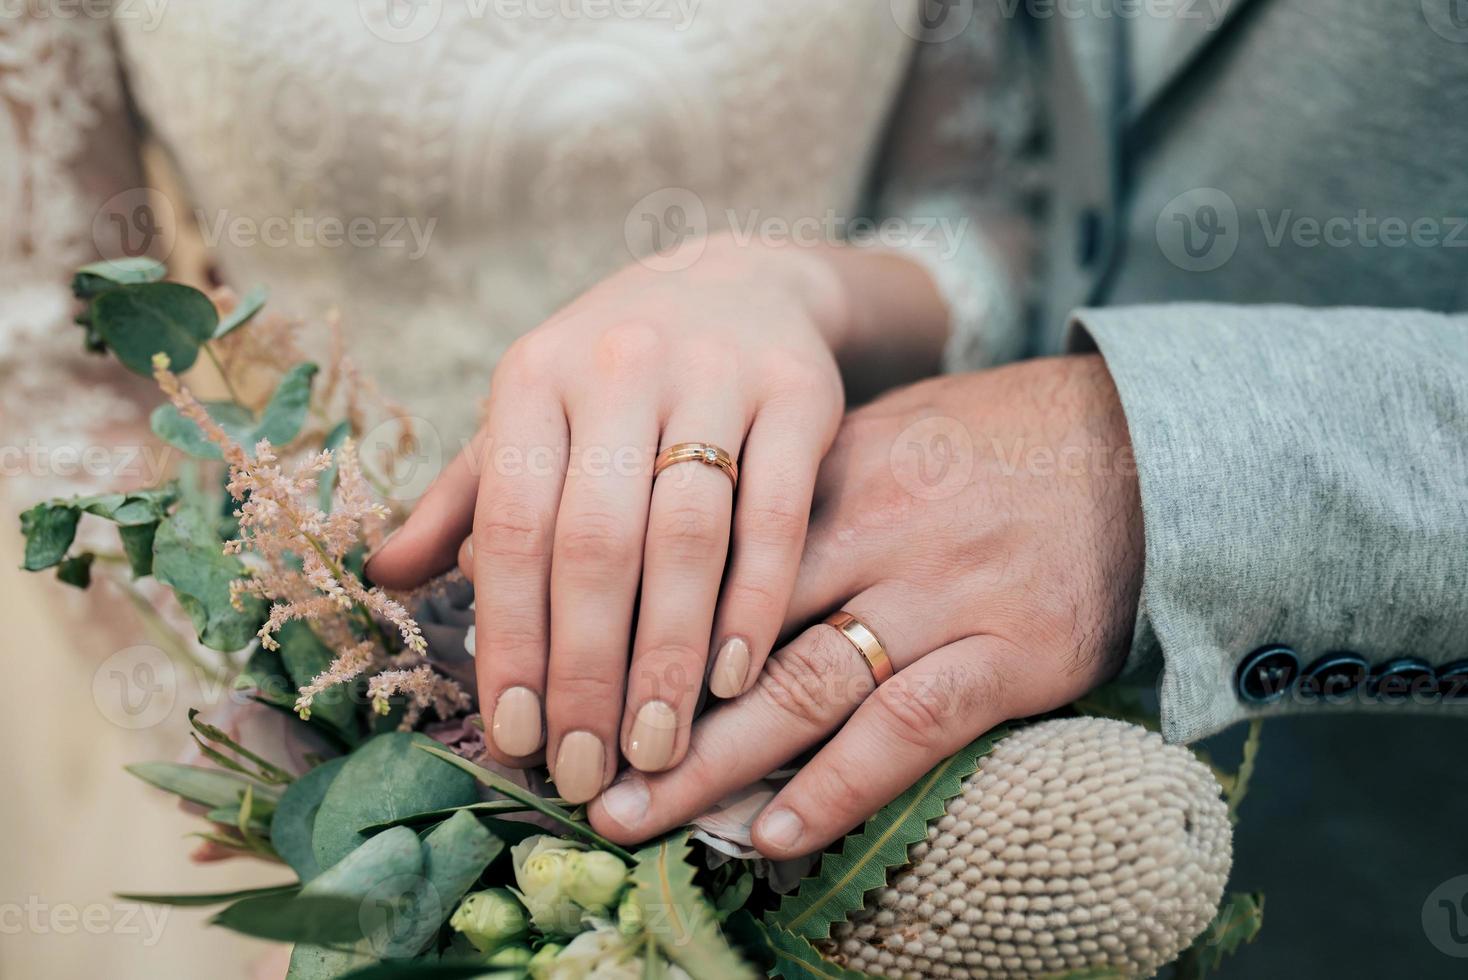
448	172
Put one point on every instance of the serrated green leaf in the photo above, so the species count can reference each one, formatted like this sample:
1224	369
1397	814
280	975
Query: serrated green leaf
208	898
76	570
1241	779
188	556
207	787
385	778
243	312
139	320
844	877
677	917
295	817
797	959
96	278
1239	919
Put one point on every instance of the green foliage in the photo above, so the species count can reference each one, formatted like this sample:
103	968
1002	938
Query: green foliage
207	787
188	556
76	570
455	854
244	311
91	281
1238	921
50	527
676	917
1240	785
797	959
212	898
139	320
263	769
386	777
845	876
304	656
280	421
294	822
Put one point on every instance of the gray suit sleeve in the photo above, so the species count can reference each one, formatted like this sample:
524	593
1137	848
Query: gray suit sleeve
1304	482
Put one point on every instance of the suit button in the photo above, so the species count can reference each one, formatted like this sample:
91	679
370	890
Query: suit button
1333	677
1396	680
1267	673
1452	681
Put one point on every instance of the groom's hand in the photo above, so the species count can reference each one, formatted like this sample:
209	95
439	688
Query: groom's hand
988	529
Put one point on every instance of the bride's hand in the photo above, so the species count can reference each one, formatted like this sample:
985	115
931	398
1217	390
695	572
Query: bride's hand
567	519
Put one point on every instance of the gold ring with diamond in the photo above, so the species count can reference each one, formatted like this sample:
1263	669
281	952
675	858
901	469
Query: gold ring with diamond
697	452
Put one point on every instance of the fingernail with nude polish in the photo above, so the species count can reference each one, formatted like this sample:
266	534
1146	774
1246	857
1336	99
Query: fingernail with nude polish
580	764
517	722
731	667
781	828
625	801
650	746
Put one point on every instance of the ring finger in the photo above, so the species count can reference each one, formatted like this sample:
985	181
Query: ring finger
683	563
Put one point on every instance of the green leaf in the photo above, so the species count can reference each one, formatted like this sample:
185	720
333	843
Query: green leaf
49	530
431	971
341	904
295	817
207	787
280	422
435	816
677	917
243	312
455	854
797	959
383	779
844	877
189	557
214	898
142	319
1238	921
76	570
137	545
268	771
557	813
304	656
319	963
96	278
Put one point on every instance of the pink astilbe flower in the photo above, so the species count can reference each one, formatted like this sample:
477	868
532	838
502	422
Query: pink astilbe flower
297	557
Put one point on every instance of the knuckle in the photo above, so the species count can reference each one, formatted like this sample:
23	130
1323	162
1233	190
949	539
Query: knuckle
690	531
531	360
627	350
798	682
913	713
777	522
669	670
838	792
595	541
754	594
583	693
510	530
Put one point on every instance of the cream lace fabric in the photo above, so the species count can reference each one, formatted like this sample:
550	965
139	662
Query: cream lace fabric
449	172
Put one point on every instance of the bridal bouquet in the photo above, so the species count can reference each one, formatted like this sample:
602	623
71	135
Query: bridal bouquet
1077	846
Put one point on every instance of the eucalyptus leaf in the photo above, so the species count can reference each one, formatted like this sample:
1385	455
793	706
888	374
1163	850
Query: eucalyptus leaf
279	422
96	278
139	320
243	312
343	904
50	527
208	898
304	656
188	556
677	917
76	570
455	854
431	971
49	530
844	877
207	787
319	963
137	546
386	777
295	817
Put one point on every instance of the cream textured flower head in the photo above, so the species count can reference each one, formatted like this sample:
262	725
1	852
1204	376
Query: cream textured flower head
1079	844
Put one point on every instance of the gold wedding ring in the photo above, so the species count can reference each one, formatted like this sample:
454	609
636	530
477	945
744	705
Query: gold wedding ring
697	452
866	643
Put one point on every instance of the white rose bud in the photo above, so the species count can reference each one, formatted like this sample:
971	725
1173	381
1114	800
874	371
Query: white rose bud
597	879
544	869
489	919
